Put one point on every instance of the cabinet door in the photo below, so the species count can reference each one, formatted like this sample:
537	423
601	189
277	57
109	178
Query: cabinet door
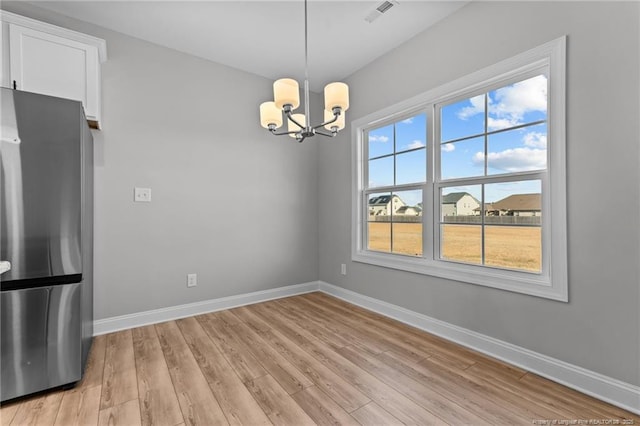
56	66
5	80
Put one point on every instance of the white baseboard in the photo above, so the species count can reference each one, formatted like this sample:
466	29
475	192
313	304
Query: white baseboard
616	392
123	322
613	391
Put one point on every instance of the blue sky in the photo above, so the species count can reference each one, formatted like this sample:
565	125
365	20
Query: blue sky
513	150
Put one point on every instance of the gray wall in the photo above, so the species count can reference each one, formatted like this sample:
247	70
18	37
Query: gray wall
599	328
230	202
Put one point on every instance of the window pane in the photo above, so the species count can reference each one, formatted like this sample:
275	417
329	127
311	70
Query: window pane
513	247
462	159
379	236
407	223
461	243
519	103
381	172
464	118
381	141
461	204
407	203
411	167
518	150
379	218
411	133
380	205
514	203
407	238
517	206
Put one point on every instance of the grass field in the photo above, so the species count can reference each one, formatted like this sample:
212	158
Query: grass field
514	247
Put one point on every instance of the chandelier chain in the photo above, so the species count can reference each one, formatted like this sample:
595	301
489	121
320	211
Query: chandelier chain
306	66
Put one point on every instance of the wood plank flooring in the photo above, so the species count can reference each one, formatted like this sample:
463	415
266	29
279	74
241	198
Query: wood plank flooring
309	359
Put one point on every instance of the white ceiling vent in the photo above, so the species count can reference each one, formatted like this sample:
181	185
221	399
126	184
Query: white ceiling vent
382	8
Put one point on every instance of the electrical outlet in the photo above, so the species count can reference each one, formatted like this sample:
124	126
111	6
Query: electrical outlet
343	269
142	195
192	280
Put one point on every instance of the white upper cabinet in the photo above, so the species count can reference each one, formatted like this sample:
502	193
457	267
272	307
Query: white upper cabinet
43	58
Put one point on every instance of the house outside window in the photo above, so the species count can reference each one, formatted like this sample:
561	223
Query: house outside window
467	181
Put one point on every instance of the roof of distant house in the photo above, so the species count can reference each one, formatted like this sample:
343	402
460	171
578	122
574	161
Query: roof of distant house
403	209
382	199
454	197
518	202
487	207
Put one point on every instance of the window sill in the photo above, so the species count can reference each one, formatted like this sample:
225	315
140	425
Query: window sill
518	282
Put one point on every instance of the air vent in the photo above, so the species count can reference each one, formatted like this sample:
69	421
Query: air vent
382	8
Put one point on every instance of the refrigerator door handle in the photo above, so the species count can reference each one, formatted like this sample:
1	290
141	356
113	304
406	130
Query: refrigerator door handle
5	266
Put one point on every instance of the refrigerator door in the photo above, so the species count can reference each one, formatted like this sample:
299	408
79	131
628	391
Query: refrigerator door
41	342
40	190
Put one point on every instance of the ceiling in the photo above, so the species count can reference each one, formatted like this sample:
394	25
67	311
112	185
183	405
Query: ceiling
267	37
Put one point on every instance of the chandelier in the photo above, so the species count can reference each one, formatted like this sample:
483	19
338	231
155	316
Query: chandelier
286	95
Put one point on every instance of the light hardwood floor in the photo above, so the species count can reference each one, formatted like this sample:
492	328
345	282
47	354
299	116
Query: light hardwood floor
309	359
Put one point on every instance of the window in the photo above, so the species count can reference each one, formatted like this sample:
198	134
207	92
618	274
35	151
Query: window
493	151
467	181
396	161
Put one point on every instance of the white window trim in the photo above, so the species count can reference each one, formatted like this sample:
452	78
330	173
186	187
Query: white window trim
553	282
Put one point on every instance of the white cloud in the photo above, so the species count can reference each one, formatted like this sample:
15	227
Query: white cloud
380	138
535	140
447	147
477	107
502	123
415	144
522	97
514	160
407	121
512	102
508	105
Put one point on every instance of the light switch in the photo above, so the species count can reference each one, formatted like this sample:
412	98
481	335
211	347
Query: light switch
142	195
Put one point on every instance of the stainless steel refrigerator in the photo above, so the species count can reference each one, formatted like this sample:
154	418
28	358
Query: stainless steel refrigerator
46	242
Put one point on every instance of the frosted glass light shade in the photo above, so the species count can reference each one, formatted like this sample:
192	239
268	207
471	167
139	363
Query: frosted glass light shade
270	114
286	91
328	115
336	95
293	127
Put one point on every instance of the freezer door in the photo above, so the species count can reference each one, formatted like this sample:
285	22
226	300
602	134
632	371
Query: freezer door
40	189
40	339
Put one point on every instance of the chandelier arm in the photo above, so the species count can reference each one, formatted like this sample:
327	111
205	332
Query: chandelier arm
329	135
290	117
273	132
335	118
